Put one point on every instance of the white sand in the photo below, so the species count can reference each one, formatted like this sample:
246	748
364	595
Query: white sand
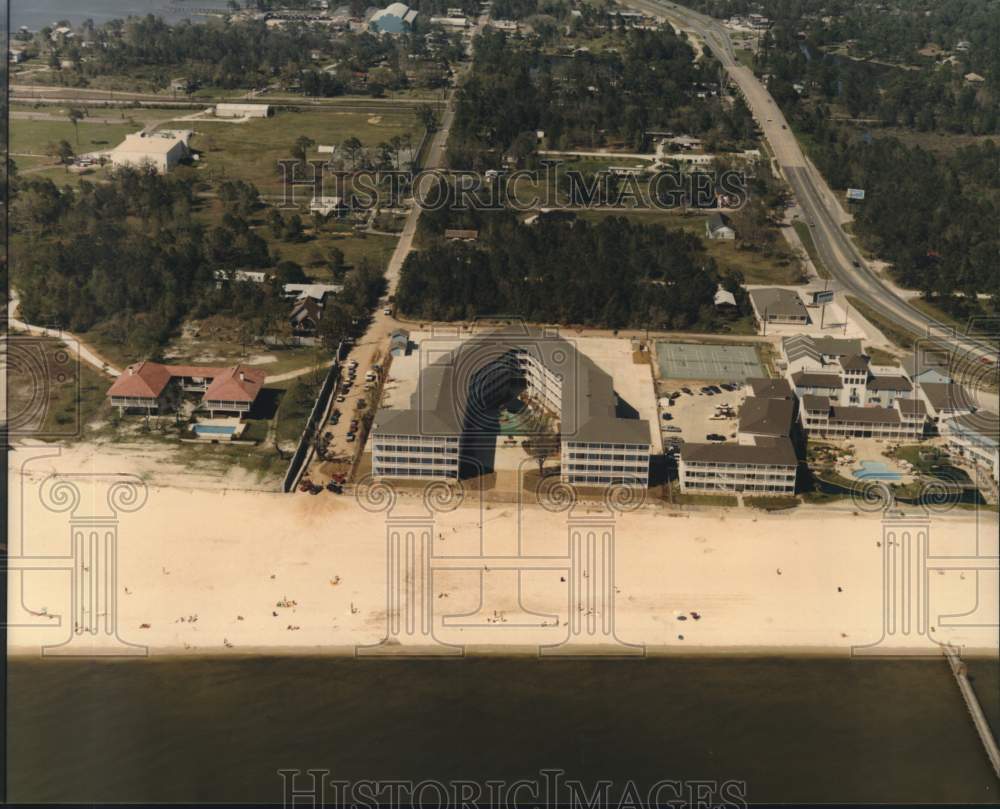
222	555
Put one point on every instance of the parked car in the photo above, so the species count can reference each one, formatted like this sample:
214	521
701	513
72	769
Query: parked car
671	429
666	416
387	310
715	437
341	398
687	391
350	437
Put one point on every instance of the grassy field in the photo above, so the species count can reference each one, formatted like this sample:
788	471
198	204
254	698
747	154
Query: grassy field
939	314
895	334
251	151
354	246
780	266
32	137
805	236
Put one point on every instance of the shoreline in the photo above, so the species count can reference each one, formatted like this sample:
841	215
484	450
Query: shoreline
510	652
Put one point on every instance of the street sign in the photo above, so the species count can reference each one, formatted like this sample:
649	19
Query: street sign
823	296
857	194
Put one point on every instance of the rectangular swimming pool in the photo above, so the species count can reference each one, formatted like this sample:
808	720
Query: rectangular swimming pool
213	430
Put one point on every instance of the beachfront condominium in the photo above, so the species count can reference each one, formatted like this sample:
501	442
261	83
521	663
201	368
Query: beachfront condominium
453	412
975	439
762	460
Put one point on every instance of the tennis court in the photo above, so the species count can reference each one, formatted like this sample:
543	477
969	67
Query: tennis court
709	362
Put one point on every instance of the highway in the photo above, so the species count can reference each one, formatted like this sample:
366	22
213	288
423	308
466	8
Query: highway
851	273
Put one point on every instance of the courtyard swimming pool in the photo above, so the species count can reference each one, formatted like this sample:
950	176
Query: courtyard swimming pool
876	470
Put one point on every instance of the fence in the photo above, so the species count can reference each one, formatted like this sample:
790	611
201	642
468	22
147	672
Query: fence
316	417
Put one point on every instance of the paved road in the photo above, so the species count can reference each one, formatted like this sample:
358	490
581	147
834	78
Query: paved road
369	348
850	271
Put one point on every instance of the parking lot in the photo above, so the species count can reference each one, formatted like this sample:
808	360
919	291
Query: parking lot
693	416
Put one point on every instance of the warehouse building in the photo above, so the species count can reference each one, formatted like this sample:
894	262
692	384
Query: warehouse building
241	110
160	151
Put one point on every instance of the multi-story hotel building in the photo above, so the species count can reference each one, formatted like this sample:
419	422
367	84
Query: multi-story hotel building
763	459
976	438
452	412
904	421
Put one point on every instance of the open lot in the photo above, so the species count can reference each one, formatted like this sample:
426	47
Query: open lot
251	150
719	363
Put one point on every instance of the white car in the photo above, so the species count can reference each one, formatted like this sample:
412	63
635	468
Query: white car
387	311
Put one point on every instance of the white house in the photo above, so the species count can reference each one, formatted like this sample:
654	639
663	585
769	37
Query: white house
717	227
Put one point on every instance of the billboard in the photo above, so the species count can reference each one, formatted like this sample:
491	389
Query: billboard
823	296
857	194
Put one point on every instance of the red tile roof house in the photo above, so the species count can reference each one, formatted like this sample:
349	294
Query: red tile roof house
154	387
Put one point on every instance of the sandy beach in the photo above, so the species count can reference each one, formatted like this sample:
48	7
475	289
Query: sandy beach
237	572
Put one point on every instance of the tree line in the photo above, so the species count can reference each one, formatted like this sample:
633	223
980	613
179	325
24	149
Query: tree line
588	100
612	274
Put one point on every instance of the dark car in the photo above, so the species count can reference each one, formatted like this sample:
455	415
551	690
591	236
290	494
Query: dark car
666	416
715	437
687	391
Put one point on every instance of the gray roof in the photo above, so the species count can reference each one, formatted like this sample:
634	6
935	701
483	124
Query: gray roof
911	407
777	301
808	379
816	403
768	451
944	395
869	415
766	416
764	388
444	402
716	221
889	383
854	362
799	345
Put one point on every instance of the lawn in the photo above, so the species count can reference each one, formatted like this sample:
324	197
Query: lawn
295	407
805	236
251	151
29	136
